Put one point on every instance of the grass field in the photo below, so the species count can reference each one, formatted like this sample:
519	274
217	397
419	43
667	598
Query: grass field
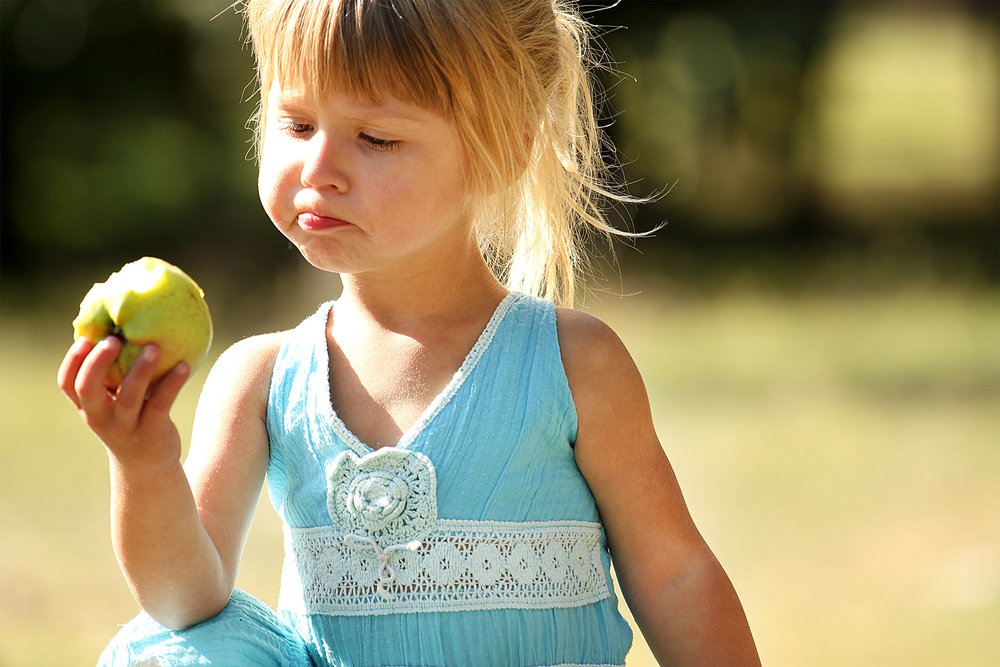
840	453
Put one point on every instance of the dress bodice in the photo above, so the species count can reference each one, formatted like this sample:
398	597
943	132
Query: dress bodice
475	540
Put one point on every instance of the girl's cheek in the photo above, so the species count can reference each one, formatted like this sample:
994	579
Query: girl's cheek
270	191
276	180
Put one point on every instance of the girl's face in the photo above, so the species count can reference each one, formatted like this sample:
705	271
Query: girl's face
359	187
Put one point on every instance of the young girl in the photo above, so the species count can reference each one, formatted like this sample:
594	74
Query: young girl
455	460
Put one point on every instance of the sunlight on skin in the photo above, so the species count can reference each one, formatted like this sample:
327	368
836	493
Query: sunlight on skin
877	477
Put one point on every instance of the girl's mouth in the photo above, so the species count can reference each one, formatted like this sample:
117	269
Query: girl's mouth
312	222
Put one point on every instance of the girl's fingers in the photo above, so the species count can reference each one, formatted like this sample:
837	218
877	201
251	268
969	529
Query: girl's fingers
70	368
89	385
135	386
163	395
137	402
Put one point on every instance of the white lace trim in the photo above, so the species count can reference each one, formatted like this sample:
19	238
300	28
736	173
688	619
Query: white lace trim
389	496
457	380
461	566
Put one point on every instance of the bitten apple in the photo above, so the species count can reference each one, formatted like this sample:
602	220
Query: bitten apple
147	301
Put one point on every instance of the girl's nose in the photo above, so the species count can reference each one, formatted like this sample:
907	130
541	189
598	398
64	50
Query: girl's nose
322	164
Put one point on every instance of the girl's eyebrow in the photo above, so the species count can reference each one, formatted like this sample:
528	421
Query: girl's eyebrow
288	100
390	111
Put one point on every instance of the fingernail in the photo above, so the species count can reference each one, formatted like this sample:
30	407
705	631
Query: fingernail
149	353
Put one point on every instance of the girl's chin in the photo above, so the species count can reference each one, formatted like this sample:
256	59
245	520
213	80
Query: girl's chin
324	261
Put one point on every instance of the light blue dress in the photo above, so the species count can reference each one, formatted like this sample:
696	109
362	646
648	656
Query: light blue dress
474	541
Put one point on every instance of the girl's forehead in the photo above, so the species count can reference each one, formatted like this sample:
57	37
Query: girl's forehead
387	107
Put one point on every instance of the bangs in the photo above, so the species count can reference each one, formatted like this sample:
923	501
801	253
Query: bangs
514	77
362	49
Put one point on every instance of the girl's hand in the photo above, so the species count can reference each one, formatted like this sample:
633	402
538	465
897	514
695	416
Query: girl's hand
132	421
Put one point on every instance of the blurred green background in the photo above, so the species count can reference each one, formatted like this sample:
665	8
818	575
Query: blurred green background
818	322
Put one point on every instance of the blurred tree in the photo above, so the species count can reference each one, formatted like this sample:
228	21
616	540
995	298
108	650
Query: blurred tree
903	112
816	122
711	109
124	127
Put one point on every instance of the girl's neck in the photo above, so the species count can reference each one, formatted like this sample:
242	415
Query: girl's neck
397	301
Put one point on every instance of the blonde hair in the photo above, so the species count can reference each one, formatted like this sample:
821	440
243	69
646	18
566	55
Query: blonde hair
515	76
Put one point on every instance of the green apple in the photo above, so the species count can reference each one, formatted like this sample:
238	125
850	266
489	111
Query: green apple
147	301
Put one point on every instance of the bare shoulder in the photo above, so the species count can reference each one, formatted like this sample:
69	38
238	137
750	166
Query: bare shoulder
586	340
232	407
252	357
615	426
241	375
598	365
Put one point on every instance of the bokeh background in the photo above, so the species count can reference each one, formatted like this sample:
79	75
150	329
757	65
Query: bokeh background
818	321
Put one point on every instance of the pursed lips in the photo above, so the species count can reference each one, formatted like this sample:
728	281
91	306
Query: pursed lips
313	222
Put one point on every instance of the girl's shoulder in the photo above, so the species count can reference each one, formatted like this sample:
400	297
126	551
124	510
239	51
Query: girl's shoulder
256	355
601	372
245	366
232	407
255	352
588	344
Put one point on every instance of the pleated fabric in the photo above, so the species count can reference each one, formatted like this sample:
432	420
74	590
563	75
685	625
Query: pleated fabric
500	440
246	632
475	541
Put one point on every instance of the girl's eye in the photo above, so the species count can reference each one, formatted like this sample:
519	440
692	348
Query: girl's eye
378	144
296	129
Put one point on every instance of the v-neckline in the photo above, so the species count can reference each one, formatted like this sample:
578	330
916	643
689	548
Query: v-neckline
347	436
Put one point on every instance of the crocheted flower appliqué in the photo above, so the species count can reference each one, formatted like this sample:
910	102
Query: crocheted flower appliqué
388	496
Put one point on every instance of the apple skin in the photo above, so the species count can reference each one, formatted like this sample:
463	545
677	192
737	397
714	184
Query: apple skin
147	301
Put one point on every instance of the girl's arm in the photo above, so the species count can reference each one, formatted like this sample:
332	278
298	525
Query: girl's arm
680	596
177	541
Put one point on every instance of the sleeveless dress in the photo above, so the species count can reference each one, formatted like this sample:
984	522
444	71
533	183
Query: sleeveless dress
474	541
